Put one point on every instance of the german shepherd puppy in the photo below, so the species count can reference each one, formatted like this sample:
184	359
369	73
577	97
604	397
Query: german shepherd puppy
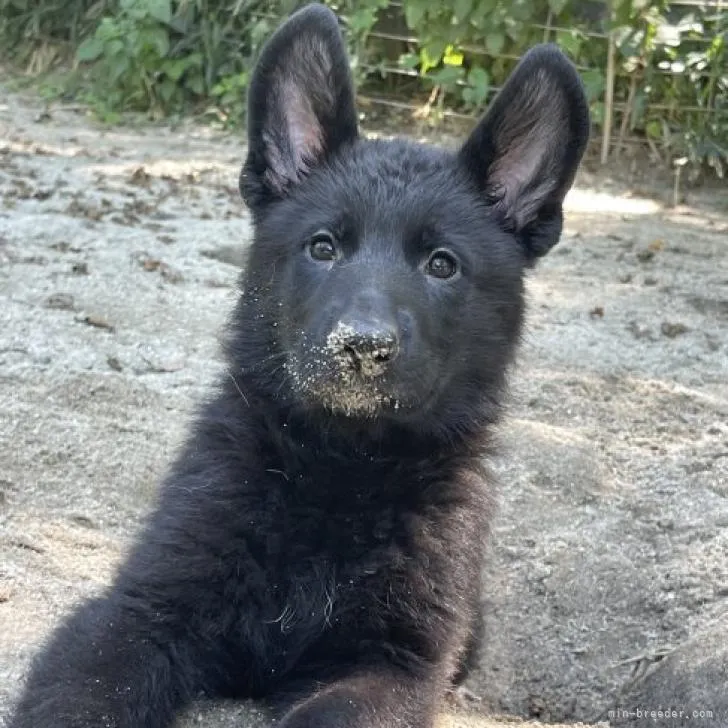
318	540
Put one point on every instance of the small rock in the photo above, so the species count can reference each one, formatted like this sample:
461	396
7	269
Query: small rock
60	301
170	274
97	322
64	247
644	256
84	521
114	363
151	264
140	177
672	330
639	331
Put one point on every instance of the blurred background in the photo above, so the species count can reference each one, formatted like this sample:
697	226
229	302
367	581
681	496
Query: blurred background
656	72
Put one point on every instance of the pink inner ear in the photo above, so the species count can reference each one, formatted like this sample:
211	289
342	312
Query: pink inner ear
293	149
514	172
298	142
304	130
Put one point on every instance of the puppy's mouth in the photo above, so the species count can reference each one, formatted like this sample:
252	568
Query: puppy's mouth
345	385
358	402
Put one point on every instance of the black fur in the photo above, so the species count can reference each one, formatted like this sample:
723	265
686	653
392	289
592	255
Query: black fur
318	541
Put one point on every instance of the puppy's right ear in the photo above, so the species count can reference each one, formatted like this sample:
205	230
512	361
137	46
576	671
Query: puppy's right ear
524	154
300	105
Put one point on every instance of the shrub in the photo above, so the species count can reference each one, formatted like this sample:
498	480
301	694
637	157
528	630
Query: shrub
166	56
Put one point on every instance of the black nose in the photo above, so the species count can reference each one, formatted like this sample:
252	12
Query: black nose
367	346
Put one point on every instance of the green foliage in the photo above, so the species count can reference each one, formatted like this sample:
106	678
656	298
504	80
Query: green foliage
672	65
676	61
134	67
158	56
166	56
37	32
27	22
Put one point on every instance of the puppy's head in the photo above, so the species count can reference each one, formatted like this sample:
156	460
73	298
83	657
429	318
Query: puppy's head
385	277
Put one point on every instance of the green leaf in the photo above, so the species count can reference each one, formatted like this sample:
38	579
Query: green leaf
570	41
160	10
118	67
469	96
136	9
494	43
175	68
515	30
461	9
156	38
362	21
593	83
482	15
260	31
447	76
196	84
409	60
167	90
429	58
452	57
108	29
479	83
431	55
90	50
194	60
414	12
114	47
653	129
522	11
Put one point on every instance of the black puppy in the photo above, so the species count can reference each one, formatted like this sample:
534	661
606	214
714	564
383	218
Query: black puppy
318	540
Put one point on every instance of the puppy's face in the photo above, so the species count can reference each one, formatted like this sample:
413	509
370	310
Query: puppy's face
386	277
394	291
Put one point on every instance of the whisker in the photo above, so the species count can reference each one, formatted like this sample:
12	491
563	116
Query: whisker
240	391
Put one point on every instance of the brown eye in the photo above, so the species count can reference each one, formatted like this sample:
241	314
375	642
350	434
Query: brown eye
321	246
441	265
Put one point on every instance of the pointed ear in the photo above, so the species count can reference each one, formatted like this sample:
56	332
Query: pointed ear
524	153
300	105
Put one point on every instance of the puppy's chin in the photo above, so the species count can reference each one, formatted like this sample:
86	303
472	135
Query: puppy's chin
351	398
344	391
360	403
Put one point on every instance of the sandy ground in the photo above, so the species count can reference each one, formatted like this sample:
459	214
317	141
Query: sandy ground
118	262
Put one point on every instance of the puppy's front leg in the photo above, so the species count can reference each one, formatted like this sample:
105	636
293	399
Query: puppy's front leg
104	669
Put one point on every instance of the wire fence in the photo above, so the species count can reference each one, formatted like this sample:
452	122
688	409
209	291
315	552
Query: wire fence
618	108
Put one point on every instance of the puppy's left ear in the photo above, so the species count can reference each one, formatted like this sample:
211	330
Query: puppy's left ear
524	154
300	105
